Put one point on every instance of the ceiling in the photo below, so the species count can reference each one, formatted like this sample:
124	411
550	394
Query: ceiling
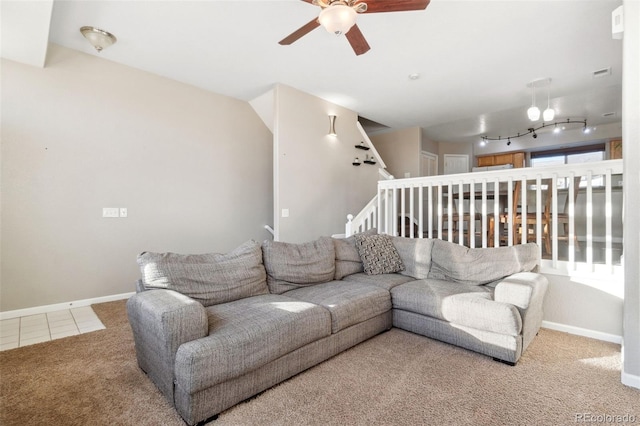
474	58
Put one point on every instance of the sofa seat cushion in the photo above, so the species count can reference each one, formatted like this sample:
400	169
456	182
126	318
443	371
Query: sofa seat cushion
350	303
467	305
246	334
386	281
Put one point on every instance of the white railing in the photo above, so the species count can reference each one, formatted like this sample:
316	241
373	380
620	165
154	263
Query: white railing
571	211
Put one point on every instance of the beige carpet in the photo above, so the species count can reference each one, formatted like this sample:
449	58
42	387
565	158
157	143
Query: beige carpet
396	378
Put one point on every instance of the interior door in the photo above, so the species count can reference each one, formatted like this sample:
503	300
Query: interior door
428	164
456	163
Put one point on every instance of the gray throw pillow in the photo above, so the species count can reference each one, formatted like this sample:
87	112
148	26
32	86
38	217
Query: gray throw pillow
290	266
211	278
478	266
379	255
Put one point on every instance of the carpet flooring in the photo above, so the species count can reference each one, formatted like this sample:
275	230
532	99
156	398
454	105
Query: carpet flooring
396	378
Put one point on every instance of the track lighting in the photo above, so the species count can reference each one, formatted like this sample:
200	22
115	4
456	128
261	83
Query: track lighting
532	131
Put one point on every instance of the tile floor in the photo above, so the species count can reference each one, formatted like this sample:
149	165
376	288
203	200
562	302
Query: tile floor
23	331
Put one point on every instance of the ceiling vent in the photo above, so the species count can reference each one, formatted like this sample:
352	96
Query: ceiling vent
601	73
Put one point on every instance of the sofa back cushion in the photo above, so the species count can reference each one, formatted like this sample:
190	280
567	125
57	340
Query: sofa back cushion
477	266
415	254
348	261
290	266
211	278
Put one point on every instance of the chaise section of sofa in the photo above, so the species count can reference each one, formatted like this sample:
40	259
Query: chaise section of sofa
486	300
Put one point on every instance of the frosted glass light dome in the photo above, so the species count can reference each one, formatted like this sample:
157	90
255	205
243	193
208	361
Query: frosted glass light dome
338	18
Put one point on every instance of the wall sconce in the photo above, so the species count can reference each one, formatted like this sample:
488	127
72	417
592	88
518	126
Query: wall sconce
332	125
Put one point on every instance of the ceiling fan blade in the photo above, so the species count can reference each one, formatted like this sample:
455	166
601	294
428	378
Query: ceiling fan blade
302	31
357	40
377	6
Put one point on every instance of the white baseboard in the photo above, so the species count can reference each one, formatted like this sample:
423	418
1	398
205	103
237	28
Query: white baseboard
60	306
598	335
631	380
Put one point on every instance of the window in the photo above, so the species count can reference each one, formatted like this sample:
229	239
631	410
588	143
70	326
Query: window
578	155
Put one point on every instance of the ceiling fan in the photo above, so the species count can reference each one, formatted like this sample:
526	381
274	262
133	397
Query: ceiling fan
339	17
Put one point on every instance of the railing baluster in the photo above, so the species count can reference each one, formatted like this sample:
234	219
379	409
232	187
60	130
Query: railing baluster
572	229
411	215
472	214
430	211
461	213
589	212
449	213
421	211
607	218
539	208
403	216
440	208
554	220
484	232
496	213
511	213
524	217
394	217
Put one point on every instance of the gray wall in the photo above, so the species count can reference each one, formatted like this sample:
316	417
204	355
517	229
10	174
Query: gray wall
84	133
313	175
400	150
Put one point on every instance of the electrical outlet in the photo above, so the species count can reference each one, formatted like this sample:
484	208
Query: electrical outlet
123	212
110	212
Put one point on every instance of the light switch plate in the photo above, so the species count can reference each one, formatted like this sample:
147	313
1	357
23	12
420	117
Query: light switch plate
110	212
285	212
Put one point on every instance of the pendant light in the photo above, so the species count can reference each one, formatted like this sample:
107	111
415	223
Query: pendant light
548	113
533	112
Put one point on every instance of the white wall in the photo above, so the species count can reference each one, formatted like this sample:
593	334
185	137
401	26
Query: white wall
631	152
193	168
313	175
587	303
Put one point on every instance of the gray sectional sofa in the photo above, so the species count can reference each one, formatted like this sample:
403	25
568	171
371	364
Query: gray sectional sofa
212	330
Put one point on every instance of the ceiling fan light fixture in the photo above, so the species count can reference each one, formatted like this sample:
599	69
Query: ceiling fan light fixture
337	18
99	39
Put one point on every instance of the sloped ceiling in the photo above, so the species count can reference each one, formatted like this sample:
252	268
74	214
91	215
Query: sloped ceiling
474	58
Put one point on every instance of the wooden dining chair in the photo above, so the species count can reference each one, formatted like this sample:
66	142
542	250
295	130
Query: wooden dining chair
457	227
524	221
563	217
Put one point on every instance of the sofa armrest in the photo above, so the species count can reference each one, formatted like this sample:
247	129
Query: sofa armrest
161	321
526	291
